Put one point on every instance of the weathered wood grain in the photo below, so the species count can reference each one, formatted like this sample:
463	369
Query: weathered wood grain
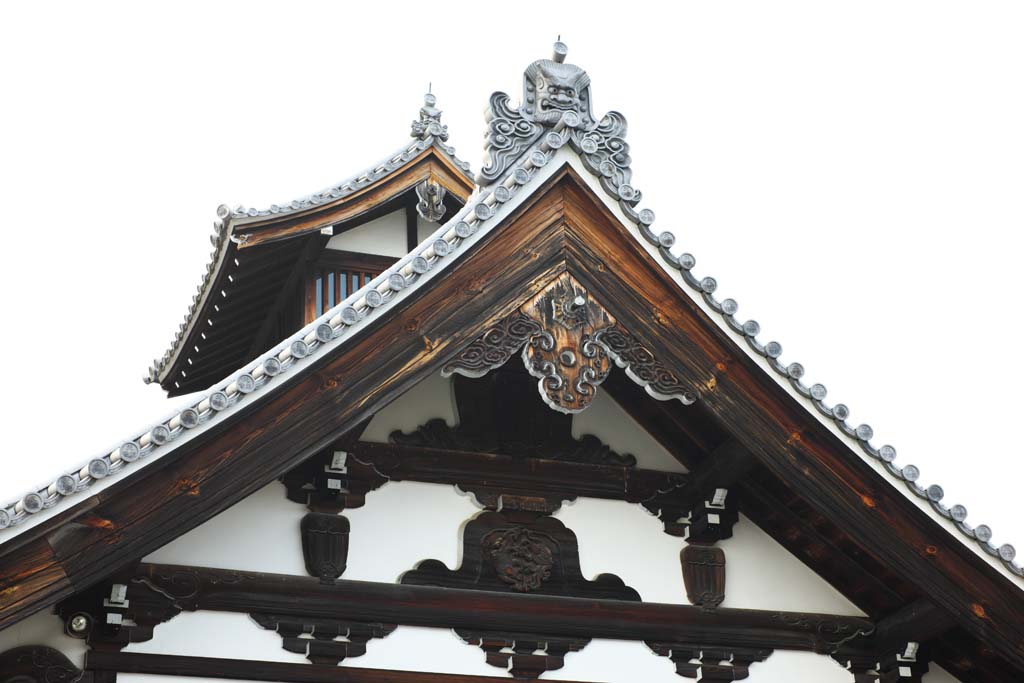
493	476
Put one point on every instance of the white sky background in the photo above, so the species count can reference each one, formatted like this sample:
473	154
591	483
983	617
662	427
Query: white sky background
851	173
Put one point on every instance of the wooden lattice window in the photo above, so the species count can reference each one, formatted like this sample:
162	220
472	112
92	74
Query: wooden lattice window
336	275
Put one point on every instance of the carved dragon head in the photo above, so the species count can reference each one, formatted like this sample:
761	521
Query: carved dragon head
552	87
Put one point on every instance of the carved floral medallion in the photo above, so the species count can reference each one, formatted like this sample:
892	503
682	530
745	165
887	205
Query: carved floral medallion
521	558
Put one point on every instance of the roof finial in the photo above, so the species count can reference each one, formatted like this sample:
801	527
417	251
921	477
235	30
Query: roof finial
429	124
561	50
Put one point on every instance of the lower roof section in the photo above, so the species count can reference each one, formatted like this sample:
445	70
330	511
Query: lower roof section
316	385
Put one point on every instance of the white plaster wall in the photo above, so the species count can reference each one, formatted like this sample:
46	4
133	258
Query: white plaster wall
384	236
761	574
403	523
433	397
610	423
260	533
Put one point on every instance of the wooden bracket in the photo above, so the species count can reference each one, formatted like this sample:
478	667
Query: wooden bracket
706	509
523	655
323	641
909	664
326	482
112	614
710	663
711	520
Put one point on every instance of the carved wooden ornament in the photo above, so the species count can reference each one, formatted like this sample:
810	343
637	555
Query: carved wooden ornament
323	641
325	545
711	663
704	575
564	356
560	331
523	655
523	554
37	664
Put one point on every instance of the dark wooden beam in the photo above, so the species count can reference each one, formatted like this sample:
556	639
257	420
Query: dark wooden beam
918	622
872	588
724	467
412	232
539	477
255	670
193	588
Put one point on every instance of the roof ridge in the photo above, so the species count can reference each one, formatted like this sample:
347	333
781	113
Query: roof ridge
427	130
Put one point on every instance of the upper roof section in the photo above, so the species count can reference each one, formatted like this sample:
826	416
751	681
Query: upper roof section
257	253
251	226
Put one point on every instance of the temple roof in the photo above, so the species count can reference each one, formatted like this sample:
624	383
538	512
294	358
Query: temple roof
247	227
526	148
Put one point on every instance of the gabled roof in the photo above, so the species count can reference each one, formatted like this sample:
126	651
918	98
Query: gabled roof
255	250
565	180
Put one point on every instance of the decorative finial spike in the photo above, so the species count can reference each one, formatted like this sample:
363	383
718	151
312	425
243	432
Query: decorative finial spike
429	123
561	50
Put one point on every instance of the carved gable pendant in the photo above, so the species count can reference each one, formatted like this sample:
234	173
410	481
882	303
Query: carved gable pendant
564	356
570	342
